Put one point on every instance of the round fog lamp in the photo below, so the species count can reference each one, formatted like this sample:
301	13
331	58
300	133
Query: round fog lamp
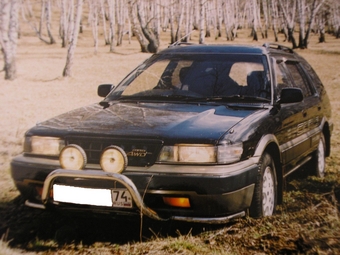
113	159
72	157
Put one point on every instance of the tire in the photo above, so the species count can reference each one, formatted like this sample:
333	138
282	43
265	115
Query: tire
265	192
317	165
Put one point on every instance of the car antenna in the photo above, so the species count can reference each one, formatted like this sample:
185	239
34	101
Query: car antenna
178	42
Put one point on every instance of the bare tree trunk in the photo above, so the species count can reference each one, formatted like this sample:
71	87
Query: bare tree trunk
266	17
187	15
120	21
111	4
275	17
148	32
255	10
48	14
94	22
9	36
290	8
63	24
45	16
70	19
201	22
41	17
157	19
136	28
321	25
207	19
74	38
103	17
180	11
315	8
171	18
219	14
336	18
32	24
226	14
230	16
301	4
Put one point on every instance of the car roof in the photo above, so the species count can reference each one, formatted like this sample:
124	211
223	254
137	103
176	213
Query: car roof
185	48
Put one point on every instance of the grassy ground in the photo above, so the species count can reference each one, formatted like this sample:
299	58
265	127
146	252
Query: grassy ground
307	222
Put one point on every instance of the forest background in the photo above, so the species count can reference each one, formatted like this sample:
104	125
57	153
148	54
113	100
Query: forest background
56	52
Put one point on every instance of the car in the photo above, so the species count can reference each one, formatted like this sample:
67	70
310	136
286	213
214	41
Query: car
196	133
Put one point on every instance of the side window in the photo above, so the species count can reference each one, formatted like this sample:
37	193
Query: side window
282	80
313	76
299	78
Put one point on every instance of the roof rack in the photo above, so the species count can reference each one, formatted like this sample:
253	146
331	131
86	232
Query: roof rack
180	43
278	47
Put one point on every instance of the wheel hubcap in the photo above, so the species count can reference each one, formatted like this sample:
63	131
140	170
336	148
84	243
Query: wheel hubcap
268	192
321	159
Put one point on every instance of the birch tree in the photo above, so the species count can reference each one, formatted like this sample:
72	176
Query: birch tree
289	9
93	17
230	11
63	24
136	28
201	22
274	17
180	12
46	19
335	20
103	18
74	39
316	5
218	17
111	13
188	20
266	11
150	33
9	36
120	17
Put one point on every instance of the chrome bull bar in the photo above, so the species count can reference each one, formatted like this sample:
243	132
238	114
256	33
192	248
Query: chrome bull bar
100	175
130	186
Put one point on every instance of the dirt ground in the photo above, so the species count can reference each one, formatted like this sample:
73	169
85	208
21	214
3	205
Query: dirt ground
40	92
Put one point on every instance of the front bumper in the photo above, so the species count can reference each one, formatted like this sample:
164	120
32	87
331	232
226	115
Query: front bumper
216	193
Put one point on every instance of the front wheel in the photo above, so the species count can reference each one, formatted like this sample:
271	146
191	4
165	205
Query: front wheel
318	162
265	193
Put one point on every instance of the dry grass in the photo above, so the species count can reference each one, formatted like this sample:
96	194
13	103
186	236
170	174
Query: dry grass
307	222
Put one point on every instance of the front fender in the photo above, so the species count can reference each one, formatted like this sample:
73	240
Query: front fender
263	144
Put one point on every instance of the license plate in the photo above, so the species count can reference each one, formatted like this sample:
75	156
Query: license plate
88	196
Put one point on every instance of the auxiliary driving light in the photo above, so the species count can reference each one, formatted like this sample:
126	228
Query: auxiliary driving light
177	201
72	157
113	159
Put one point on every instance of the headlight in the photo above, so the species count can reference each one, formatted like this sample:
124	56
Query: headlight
201	153
229	153
43	145
187	153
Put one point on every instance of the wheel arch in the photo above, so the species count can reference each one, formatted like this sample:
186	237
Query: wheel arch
270	145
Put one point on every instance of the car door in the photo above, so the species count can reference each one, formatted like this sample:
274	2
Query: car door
299	131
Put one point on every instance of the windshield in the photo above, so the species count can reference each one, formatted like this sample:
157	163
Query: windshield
197	76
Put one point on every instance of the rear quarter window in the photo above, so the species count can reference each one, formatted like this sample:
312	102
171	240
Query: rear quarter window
313	76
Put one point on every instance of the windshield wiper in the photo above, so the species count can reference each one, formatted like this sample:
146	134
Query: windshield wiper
232	98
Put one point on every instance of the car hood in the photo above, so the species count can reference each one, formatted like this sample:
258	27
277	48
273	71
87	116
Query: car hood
156	120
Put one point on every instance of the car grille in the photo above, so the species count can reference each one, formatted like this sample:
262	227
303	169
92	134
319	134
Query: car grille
139	152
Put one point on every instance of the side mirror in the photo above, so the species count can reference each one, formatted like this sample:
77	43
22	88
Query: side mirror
104	89
290	95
